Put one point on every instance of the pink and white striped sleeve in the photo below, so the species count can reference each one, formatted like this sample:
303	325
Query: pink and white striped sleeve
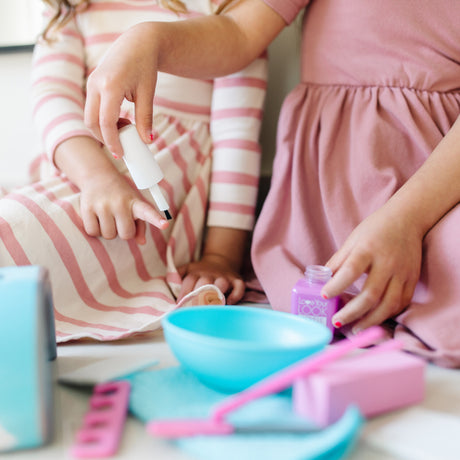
236	117
58	93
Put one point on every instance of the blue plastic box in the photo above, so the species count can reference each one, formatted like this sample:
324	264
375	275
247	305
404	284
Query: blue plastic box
27	347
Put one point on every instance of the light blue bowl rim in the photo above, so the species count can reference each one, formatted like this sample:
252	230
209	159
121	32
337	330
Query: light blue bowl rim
322	334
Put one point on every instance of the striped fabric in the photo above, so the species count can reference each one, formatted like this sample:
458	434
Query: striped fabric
207	146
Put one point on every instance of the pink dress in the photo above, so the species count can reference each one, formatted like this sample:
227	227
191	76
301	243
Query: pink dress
379	89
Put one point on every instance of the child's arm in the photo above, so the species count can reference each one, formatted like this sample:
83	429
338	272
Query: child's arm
199	47
58	96
388	244
236	117
220	264
58	76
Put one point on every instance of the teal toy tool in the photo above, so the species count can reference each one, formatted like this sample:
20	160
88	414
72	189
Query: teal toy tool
27	347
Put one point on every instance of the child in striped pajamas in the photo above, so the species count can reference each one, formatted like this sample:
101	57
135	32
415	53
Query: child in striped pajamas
116	265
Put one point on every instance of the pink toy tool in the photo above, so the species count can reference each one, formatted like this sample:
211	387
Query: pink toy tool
216	425
376	386
103	424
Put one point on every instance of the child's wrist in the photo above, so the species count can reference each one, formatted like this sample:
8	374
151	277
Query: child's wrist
409	216
222	258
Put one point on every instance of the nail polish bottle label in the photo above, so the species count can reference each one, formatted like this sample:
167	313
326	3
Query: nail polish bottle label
306	299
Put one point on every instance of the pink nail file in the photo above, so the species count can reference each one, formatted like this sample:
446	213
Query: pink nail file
376	385
102	426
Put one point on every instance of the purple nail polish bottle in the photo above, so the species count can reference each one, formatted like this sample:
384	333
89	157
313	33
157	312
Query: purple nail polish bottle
306	299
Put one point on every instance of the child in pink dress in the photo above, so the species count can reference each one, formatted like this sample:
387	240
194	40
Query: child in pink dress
116	265
366	176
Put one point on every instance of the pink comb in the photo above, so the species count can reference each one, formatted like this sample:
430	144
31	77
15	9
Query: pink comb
103	424
279	381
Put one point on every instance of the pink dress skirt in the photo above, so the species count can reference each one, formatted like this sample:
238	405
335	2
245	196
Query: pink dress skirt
379	90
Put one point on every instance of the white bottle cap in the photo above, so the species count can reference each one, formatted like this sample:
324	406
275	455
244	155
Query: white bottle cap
140	161
143	167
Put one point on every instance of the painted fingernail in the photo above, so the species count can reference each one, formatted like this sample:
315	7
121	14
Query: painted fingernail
324	296
151	137
337	324
164	223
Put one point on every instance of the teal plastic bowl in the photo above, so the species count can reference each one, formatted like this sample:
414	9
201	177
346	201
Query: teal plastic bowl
231	348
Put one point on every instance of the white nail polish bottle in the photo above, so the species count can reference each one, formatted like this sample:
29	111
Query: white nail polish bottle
141	163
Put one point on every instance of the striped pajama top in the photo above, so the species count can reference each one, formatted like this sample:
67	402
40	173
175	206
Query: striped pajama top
207	134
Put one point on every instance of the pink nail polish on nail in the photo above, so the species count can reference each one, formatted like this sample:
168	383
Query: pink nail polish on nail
152	137
338	324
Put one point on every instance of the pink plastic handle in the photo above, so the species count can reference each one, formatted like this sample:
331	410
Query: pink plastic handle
103	424
188	427
284	378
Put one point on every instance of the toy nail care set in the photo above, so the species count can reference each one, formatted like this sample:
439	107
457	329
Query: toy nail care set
252	383
312	408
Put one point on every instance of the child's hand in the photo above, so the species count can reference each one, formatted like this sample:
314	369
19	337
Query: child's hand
388	248
212	269
128	70
110	206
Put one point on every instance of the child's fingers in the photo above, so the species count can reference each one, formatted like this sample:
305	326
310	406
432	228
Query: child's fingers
389	306
353	267
222	283
143	113
409	289
203	280
237	293
107	224
139	236
126	226
188	285
370	295
338	258
342	254
236	286
182	270
90	222
143	210
102	110
108	118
